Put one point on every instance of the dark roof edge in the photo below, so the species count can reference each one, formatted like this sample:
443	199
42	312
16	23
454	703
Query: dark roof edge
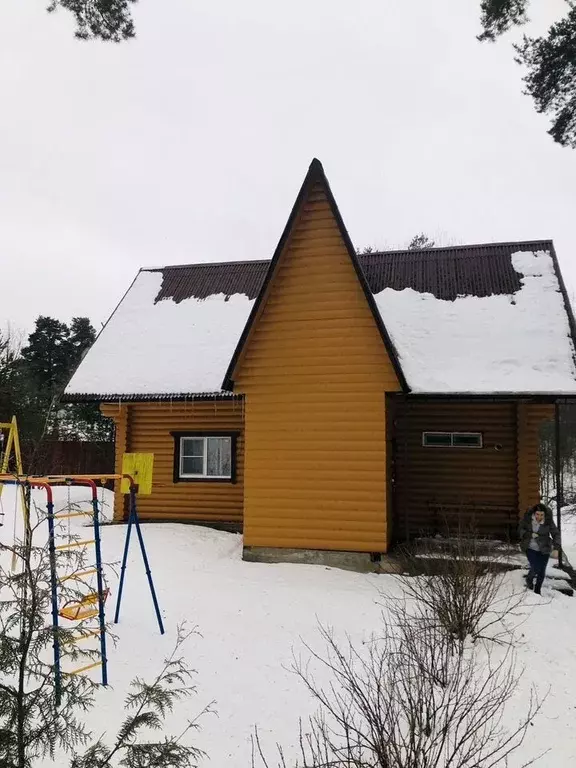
565	298
379	252
315	173
464	247
143	398
206	264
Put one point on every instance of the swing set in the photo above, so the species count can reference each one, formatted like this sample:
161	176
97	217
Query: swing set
91	604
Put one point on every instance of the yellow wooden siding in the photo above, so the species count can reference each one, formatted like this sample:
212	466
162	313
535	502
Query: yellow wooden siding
150	427
315	372
530	418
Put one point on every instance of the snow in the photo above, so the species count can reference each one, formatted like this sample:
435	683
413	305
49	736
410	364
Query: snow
163	348
253	618
493	344
569	533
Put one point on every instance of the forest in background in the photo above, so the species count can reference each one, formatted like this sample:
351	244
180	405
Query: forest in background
33	376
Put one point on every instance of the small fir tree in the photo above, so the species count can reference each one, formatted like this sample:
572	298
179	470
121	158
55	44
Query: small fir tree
33	727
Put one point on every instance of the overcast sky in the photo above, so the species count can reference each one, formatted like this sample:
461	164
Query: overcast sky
190	143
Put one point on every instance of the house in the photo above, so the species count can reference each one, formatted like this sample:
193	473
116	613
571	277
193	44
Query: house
326	400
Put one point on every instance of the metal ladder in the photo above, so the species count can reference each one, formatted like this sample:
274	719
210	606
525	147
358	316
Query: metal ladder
88	607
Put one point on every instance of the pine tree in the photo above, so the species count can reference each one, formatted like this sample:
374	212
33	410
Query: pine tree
550	61
498	16
109	20
47	357
47	362
82	336
9	355
420	242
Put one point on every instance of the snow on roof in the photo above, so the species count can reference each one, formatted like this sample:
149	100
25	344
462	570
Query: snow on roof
483	319
517	343
151	347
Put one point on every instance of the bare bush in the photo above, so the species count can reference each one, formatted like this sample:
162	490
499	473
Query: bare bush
461	590
408	699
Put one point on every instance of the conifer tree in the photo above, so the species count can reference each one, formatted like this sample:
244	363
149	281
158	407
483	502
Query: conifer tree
34	728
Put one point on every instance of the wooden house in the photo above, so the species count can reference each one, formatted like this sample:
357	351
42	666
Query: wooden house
329	400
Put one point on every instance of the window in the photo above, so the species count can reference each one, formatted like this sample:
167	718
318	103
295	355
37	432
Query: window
437	439
467	440
205	457
452	439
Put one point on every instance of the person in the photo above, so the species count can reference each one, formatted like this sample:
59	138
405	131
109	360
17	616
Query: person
539	537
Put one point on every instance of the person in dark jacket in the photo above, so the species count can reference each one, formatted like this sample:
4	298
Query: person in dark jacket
539	538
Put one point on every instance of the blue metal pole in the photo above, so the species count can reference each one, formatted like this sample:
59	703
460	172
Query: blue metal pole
100	584
54	597
145	558
123	567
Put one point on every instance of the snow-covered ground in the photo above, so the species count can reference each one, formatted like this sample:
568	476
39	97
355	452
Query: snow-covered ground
569	534
253	617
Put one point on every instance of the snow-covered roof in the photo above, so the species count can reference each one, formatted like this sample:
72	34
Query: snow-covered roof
482	319
156	347
509	343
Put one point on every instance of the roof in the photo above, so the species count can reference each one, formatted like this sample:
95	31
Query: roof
479	343
481	319
155	348
476	270
199	281
174	333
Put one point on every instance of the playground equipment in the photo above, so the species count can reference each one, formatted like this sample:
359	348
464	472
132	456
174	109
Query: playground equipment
90	604
10	449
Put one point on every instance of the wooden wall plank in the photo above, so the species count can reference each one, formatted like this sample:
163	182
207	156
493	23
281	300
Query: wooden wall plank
314	373
149	431
427	478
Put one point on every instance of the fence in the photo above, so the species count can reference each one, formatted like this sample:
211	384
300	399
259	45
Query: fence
68	457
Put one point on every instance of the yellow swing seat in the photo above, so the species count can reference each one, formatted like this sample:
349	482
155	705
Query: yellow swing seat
86	608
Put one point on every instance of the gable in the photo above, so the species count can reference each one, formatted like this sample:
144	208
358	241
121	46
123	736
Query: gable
315	301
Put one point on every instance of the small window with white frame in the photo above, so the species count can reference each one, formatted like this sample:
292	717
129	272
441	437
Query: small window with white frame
452	439
204	457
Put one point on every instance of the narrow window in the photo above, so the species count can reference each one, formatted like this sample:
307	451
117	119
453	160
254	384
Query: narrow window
437	439
467	440
452	439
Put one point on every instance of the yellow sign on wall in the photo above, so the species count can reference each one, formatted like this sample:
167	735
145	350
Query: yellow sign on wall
140	467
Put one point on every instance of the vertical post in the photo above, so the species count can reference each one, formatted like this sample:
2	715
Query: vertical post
133	521
134	515
54	597
559	479
123	567
100	585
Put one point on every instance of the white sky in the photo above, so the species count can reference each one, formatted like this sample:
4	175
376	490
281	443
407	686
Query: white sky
190	143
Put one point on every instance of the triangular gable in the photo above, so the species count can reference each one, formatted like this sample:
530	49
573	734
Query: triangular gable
314	176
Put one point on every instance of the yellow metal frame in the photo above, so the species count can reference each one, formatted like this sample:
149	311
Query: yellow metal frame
12	442
13	445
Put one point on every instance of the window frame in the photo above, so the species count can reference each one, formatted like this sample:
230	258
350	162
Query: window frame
203	434
477	447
